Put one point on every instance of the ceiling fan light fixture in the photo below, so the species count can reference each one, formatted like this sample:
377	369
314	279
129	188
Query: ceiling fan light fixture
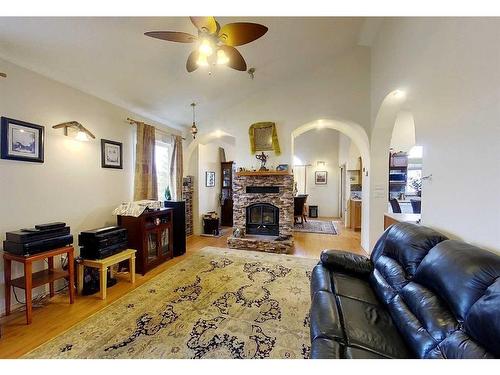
202	60
222	58
206	48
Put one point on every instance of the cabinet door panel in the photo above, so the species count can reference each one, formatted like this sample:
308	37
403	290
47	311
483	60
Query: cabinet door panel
164	242
152	246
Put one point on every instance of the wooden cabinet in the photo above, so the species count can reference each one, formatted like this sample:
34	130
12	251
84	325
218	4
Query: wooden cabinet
355	214
151	235
226	211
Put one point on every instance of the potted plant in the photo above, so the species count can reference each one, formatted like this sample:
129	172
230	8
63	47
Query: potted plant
168	196
416	184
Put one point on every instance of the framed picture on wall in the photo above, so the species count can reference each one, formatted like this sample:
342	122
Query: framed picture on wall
21	140
209	179
111	154
320	177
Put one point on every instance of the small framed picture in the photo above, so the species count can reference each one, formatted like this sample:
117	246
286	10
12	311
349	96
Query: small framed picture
21	140
320	177
209	179
282	168
111	154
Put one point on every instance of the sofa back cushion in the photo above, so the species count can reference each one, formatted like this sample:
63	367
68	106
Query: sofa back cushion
483	320
443	295
459	273
408	244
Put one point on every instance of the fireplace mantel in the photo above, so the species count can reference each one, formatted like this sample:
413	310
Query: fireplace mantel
263	173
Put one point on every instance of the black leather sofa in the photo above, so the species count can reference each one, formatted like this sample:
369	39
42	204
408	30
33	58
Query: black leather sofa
419	295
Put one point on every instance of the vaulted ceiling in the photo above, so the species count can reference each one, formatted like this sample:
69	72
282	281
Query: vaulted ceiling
112	59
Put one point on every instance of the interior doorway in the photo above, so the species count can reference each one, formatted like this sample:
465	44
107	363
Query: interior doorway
405	167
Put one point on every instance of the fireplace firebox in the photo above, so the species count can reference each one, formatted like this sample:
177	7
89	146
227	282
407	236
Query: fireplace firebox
262	219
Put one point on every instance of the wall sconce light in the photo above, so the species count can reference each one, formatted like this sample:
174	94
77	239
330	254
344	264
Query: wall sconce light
321	164
82	134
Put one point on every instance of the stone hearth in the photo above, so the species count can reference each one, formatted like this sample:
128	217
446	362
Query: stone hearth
247	191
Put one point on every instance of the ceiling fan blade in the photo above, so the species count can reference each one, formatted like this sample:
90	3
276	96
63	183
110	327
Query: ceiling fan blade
207	24
236	61
191	64
239	33
172	36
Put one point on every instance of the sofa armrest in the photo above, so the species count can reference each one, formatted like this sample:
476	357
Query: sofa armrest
344	261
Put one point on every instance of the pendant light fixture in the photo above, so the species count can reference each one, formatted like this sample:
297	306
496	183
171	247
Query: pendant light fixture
194	129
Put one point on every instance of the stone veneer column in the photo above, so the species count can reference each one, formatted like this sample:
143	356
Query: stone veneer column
283	200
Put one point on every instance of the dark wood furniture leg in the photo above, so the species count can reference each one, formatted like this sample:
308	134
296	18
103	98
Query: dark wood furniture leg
27	290
7	277
51	268
71	275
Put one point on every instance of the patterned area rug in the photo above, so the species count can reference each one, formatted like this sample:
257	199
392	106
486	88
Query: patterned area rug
218	303
316	226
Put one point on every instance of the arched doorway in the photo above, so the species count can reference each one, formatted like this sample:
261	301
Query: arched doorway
202	155
393	113
359	137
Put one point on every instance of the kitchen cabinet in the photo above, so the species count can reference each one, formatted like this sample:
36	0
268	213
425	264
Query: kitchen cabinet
355	214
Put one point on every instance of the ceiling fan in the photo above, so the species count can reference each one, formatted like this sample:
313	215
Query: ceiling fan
215	43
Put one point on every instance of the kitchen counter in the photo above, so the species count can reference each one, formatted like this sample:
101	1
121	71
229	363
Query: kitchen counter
392	218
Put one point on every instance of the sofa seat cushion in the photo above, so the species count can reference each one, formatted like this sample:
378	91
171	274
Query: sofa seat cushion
325	348
422	318
459	346
353	287
357	353
325	318
320	280
370	327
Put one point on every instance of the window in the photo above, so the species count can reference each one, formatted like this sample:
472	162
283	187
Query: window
163	154
414	176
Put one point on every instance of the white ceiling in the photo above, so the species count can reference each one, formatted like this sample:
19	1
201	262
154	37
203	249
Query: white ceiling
112	59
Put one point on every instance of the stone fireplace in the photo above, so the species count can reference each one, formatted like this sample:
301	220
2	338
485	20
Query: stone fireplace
263	211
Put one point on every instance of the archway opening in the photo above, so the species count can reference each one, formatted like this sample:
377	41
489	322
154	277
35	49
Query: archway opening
331	162
203	159
405	167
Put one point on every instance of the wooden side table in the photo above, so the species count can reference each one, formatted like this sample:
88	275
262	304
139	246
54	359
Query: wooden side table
102	265
32	280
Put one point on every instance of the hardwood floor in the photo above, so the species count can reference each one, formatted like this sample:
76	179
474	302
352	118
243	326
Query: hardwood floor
58	315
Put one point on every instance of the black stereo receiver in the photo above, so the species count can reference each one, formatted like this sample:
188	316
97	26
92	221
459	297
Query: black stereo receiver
35	240
34	247
102	242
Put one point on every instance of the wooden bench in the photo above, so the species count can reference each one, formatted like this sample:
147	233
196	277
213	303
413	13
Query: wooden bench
103	264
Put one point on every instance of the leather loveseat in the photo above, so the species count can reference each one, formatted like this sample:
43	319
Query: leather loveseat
419	295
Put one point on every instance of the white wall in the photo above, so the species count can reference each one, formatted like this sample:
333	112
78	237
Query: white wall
403	134
450	71
70	185
311	147
340	91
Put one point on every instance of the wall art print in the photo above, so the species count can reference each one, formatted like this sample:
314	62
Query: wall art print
21	140
111	154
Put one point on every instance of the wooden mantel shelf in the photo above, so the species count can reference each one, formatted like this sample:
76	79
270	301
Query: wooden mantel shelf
263	173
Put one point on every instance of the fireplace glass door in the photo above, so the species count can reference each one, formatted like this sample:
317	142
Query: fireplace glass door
263	219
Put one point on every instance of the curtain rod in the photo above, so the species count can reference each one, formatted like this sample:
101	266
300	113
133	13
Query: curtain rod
132	122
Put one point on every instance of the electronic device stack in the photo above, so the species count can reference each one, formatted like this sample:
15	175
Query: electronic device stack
101	243
42	237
